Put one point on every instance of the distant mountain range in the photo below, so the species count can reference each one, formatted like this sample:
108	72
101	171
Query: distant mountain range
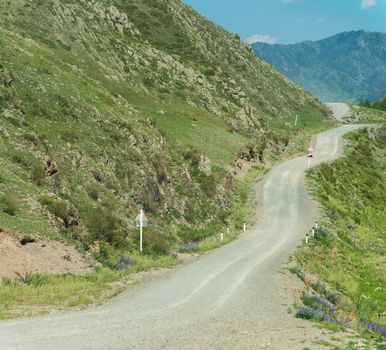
349	66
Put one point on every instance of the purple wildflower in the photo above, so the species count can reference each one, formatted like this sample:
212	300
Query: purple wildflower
376	327
188	247
318	302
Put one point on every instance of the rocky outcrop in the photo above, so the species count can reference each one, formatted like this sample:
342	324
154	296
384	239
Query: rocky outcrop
204	165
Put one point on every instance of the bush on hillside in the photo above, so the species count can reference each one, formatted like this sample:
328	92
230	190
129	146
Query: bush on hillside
9	204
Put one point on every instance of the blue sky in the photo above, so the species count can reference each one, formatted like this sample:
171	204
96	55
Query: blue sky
291	21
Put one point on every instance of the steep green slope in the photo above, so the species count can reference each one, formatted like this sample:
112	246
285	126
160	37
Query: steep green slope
107	106
345	263
349	66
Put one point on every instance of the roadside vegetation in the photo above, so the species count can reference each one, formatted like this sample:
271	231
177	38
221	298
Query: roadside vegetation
365	115
343	267
377	104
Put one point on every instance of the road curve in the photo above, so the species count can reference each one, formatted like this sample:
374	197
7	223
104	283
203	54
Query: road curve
340	110
214	302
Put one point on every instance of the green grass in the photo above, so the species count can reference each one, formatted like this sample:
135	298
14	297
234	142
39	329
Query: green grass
365	115
350	260
241	213
209	137
41	293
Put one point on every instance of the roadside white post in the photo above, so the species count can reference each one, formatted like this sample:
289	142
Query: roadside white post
313	232
244	227
316	225
306	238
227	230
141	222
221	236
140	231
296	119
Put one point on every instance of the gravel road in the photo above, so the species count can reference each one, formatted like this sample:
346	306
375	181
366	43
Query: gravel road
340	110
230	298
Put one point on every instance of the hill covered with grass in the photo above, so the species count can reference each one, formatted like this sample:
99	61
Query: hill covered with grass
110	105
343	267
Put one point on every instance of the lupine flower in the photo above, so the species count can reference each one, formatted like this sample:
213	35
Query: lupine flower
124	262
376	327
188	247
318	302
308	312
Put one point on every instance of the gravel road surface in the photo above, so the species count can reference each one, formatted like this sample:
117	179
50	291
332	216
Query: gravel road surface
230	298
340	110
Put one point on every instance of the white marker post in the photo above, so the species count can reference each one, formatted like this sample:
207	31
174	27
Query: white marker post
244	227
227	230
296	119
313	232
306	238
221	236
141	222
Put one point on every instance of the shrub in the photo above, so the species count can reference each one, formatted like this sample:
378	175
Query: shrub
38	173
208	185
93	193
9	204
155	242
56	207
104	225
20	157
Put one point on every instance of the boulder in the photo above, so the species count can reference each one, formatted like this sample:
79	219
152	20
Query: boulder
204	165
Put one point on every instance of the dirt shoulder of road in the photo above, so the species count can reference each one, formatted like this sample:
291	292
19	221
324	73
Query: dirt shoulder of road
21	254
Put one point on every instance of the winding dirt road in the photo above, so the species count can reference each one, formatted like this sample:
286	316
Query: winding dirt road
231	298
340	110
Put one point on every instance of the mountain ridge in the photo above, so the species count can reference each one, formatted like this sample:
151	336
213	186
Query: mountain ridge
348	66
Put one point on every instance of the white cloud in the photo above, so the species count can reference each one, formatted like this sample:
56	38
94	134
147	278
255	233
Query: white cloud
365	4
261	38
321	19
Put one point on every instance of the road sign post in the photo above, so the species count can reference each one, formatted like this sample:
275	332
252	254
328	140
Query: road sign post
141	222
296	119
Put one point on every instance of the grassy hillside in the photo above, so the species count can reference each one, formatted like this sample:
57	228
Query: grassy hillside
344	266
108	106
